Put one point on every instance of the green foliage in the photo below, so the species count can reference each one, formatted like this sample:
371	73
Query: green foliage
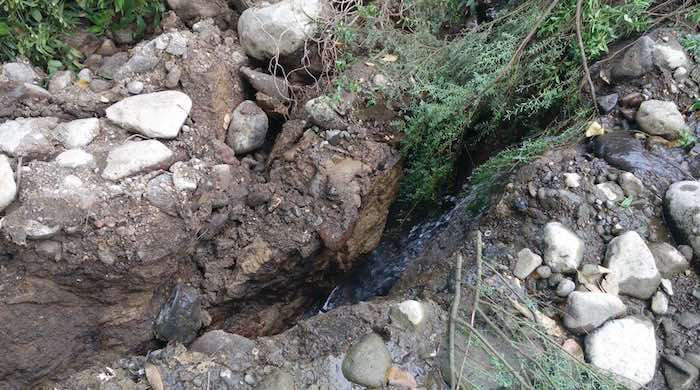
691	43
464	91
686	139
602	23
35	28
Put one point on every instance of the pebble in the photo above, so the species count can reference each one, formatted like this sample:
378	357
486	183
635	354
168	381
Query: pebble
629	258
367	361
544	271
74	158
572	180
134	87
565	287
563	248
659	303
134	157
526	263
667	286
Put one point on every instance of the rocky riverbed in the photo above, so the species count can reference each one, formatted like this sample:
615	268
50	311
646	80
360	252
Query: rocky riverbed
171	212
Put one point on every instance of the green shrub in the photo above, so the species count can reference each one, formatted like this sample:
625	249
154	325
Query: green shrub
35	28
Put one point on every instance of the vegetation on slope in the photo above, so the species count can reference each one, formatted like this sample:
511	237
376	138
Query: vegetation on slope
35	29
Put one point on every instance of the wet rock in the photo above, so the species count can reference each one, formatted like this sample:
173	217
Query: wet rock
586	311
160	191
190	10
367	361
607	103
26	136
8	187
279	29
662	118
668	259
279	380
60	81
527	262
134	157
158	115
637	60
689	320
275	87
679	374
563	248
631	184
134	87
248	128
565	287
408	314
625	347
610	191
670	55
322	113
75	158
659	303
19	72
179	318
629	258
77	133
682	210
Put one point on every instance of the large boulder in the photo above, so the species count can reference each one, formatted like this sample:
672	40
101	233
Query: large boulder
637	60
629	258
198	9
279	30
563	249
156	115
586	311
682	210
662	118
625	347
669	260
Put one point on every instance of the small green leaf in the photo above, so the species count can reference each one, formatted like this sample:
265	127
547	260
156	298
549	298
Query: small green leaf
4	29
36	14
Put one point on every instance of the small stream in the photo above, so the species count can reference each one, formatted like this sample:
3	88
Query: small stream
376	275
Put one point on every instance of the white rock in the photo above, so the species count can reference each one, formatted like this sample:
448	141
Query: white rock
565	287
134	87
186	175
158	115
669	260
135	157
278	29
629	258
670	55
659	303
19	72
8	187
563	249
660	118
572	180
77	133
177	45
410	312
611	191
626	347
60	80
527	262
75	158
26	136
85	75
248	128
586	311
667	286
682	208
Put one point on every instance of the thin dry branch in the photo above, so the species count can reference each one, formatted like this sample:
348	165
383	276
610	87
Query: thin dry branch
454	319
